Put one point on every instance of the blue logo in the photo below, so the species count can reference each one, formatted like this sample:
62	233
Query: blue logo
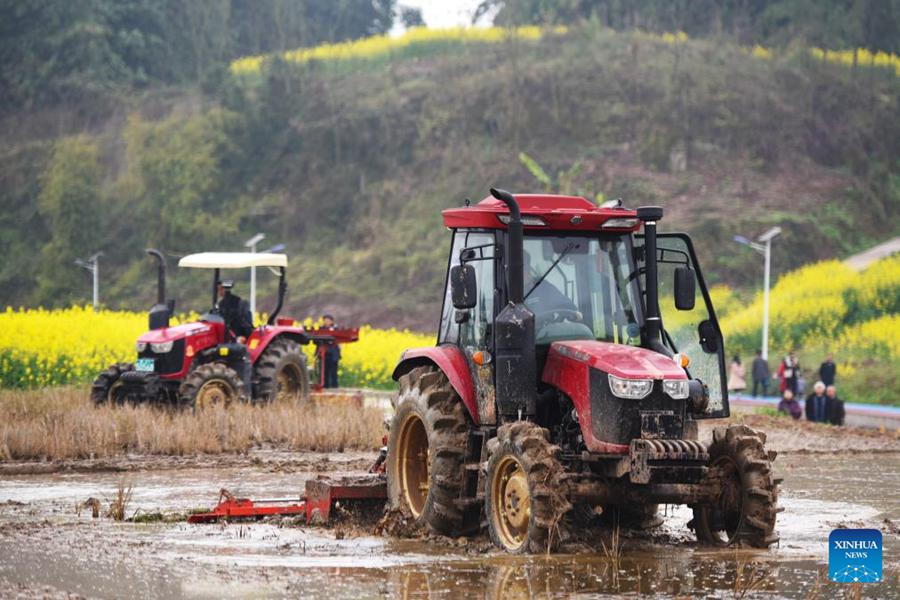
854	556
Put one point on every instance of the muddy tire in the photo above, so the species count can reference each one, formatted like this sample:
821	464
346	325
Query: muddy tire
747	507
212	384
103	390
280	372
426	451
525	498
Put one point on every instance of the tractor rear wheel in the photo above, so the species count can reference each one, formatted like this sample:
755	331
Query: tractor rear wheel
106	387
525	496
212	384
747	506
280	373
426	451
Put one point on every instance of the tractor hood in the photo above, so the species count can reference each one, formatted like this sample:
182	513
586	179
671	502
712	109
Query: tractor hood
170	334
628	362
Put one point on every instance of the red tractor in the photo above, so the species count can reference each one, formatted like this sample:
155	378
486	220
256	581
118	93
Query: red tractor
205	362
573	364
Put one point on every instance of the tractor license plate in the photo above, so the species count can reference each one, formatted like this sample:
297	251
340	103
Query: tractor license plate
144	364
659	424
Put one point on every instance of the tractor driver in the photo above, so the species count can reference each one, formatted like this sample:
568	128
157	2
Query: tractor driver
234	310
546	298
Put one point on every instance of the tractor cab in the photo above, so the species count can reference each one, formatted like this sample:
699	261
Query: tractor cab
586	282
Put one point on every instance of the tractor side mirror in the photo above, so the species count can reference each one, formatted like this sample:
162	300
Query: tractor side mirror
685	288
709	336
463	290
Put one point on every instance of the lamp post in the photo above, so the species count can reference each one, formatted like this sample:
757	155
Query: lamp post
92	266
763	245
251	243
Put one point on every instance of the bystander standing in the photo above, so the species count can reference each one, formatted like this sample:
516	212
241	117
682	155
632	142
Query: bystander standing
828	371
836	411
789	373
760	373
817	404
736	373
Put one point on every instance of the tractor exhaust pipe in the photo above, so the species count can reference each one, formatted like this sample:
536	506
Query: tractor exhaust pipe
160	275
516	364
650	215
161	312
515	277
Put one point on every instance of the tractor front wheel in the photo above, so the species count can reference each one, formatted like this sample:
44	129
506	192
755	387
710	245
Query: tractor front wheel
426	451
212	384
746	508
524	497
280	372
107	386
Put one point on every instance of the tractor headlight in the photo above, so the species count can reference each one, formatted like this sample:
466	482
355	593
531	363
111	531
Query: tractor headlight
676	388
162	347
141	346
630	388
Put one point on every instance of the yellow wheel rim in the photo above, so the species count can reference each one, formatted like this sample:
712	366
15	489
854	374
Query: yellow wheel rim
111	394
510	503
414	463
213	392
289	383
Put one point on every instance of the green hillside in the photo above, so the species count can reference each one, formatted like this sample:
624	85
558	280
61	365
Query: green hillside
349	162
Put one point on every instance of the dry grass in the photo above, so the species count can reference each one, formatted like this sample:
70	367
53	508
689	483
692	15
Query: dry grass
63	423
119	504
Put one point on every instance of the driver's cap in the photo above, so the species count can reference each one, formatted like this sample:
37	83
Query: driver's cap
227	283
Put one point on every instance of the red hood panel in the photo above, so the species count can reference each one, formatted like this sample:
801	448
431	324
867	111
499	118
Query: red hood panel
173	333
628	362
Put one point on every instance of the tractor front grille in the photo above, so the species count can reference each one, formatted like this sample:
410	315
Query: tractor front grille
619	420
168	363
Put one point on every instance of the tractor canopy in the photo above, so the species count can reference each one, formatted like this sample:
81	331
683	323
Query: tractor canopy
544	212
233	260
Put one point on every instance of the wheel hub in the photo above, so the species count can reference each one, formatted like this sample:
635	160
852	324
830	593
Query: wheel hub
511	502
415	464
288	383
212	393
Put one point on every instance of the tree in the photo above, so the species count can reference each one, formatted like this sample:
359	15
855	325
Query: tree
69	205
411	17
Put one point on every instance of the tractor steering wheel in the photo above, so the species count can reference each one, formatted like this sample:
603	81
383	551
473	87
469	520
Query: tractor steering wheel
558	315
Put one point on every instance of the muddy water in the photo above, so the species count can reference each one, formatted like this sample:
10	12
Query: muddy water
44	543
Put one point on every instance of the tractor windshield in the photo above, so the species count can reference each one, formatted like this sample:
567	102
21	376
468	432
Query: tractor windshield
582	288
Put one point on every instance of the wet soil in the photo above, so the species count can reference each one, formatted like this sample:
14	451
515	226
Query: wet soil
48	548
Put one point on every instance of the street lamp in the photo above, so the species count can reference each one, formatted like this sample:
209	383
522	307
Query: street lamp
763	245
251	243
92	266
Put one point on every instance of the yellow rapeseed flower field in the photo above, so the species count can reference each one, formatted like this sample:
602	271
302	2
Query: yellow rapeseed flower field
381	46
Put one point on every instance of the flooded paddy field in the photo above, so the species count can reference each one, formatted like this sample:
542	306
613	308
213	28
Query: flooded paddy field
48	549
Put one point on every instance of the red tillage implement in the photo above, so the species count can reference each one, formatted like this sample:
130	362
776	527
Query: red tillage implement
322	493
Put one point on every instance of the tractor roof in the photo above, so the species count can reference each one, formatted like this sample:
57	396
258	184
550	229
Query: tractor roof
550	212
233	260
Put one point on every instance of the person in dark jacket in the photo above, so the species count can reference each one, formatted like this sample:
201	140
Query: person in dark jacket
760	373
234	310
836	411
818	405
827	371
332	355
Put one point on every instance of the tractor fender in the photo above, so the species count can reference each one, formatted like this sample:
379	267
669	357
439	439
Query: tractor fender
451	361
261	337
